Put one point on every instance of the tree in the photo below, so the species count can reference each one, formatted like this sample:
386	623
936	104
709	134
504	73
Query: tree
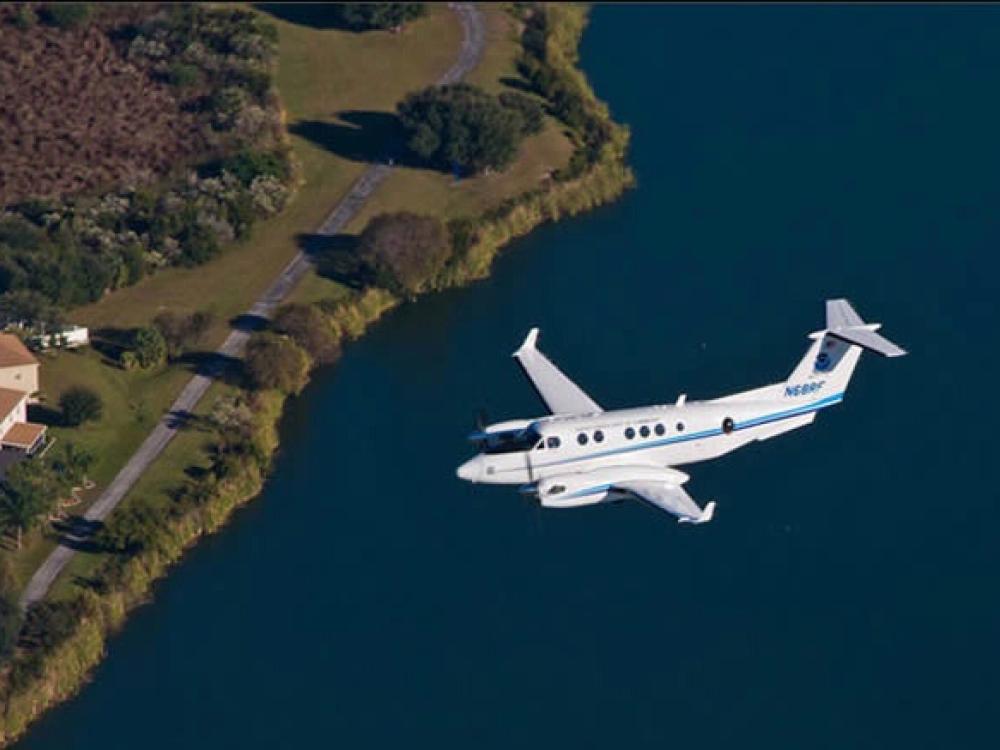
130	531
364	16
276	362
234	420
80	404
28	492
461	127
148	348
404	251
29	308
309	328
531	111
182	332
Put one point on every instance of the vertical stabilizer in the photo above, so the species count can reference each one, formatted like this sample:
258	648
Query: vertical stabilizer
831	358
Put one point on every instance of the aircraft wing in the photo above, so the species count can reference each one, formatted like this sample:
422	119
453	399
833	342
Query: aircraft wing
560	394
669	497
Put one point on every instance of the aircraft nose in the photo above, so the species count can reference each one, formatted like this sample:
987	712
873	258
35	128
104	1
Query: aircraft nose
470	470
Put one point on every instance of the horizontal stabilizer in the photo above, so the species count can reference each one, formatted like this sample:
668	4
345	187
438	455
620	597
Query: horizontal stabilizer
867	339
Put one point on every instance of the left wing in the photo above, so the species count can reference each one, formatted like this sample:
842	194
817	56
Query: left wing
669	497
560	394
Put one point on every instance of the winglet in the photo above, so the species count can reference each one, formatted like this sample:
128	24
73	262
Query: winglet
705	517
529	342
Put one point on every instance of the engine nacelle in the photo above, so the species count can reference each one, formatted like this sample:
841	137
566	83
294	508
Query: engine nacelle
592	487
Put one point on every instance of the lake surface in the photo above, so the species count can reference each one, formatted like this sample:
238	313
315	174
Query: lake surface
845	595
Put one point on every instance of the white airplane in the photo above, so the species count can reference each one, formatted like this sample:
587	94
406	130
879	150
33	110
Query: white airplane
582	455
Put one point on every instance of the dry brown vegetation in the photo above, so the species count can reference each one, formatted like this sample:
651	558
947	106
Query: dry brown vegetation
76	116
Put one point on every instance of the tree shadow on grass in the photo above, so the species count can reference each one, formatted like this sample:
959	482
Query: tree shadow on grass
211	364
335	257
314	15
110	343
367	137
45	415
77	533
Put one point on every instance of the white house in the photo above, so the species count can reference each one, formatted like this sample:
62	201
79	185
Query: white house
18	366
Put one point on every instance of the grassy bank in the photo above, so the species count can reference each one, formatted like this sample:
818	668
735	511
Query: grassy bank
100	586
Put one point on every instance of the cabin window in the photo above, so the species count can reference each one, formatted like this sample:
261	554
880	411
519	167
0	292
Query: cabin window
680	427
659	429
728	425
556	489
598	436
553	442
582	438
510	441
629	433
644	431
540	446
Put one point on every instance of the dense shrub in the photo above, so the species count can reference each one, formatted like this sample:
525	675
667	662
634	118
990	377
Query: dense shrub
80	404
129	531
71	250
404	251
276	362
461	127
309	328
364	16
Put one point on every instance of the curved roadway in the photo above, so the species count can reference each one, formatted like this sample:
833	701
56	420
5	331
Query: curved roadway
473	40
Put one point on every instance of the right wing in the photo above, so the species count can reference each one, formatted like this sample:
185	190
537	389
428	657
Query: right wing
669	497
560	394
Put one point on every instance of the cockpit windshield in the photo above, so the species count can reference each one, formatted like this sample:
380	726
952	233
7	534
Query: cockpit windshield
510	441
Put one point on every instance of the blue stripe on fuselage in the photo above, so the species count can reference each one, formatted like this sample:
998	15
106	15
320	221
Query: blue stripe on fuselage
836	398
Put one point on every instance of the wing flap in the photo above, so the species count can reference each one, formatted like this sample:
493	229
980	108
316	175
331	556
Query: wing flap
559	394
671	498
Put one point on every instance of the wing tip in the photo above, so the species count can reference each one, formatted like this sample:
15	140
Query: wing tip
529	342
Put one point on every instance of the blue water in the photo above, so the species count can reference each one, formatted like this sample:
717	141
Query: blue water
844	596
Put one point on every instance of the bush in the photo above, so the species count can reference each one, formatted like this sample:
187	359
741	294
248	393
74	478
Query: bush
276	362
80	404
64	15
461	126
364	16
148	348
310	329
404	251
248	165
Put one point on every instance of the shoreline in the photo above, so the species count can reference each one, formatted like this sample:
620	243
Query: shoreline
56	675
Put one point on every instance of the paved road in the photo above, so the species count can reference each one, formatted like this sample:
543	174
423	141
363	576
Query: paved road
473	30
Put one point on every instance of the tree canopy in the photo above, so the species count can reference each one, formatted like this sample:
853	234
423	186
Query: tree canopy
308	328
80	404
404	251
182	331
463	127
277	362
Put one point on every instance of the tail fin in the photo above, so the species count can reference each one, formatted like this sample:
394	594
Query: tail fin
835	351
